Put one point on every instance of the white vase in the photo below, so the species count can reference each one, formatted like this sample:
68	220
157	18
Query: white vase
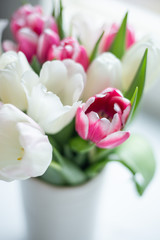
62	213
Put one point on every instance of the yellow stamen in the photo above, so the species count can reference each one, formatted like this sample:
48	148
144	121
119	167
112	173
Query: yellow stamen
22	153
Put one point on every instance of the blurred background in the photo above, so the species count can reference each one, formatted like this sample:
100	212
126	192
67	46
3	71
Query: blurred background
124	215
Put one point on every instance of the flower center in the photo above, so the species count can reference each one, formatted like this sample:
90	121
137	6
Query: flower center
103	114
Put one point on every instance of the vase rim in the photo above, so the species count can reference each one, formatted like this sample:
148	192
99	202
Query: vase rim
86	184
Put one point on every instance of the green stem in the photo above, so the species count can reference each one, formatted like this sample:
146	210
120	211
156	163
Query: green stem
101	154
91	154
55	166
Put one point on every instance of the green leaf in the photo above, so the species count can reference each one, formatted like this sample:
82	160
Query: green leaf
95	49
80	145
133	105
54	10
69	170
136	154
59	20
138	81
118	46
36	65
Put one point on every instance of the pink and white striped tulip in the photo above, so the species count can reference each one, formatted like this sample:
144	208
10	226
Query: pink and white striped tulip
24	148
102	118
46	40
39	23
33	18
69	48
108	38
20	17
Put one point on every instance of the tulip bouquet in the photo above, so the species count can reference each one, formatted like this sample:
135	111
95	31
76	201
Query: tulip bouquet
65	109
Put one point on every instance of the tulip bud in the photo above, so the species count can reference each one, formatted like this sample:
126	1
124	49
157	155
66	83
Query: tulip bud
102	118
46	40
36	23
105	71
69	48
19	18
108	38
132	58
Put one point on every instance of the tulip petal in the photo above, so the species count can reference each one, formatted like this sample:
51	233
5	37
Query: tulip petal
11	91
82	57
75	83
53	75
126	114
37	150
7	58
29	80
19	58
27	41
115	124
46	40
64	78
105	71
113	140
82	123
97	129
93	119
62	119
35	21
58	116
13	66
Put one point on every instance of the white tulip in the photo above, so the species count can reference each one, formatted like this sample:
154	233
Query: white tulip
24	148
133	57
82	27
53	97
12	67
105	71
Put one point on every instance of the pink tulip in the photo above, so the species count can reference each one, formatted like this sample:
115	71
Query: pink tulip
69	48
39	23
50	23
102	118
33	18
46	40
19	18
35	22
108	38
